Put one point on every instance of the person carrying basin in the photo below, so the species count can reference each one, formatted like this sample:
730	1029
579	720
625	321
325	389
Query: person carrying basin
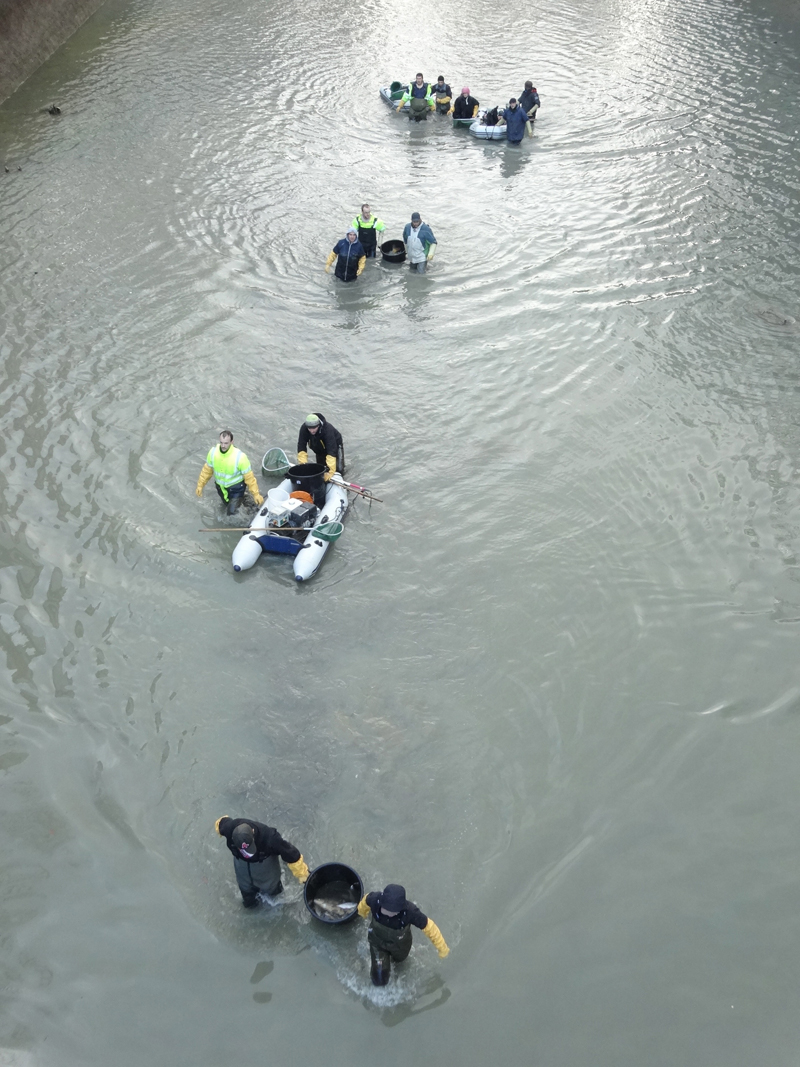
368	227
529	101
420	243
389	936
465	106
419	98
255	849
442	96
349	255
231	471
324	440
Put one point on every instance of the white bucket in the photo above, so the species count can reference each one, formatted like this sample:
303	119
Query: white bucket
276	500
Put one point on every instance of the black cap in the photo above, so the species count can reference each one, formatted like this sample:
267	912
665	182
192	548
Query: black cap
414	215
393	898
244	838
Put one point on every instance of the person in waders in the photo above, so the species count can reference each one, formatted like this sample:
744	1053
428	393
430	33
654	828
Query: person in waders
420	243
389	934
324	440
419	97
368	227
255	849
231	471
349	255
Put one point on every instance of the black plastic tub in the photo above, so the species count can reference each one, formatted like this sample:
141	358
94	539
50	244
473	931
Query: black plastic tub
308	477
393	251
329	892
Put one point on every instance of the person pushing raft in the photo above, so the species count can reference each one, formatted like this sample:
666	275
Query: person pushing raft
325	441
466	106
255	849
419	97
389	934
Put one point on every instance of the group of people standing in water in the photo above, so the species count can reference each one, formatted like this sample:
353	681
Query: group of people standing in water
423	97
232	473
360	242
257	850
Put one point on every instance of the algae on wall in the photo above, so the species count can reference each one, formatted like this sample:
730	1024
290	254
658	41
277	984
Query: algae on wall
31	30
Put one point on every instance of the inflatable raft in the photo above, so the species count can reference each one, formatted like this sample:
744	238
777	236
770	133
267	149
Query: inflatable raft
391	94
296	522
487	133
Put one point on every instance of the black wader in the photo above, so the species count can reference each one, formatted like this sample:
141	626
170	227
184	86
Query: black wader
386	945
254	878
235	496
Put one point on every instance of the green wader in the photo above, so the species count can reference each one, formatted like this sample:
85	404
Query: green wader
418	108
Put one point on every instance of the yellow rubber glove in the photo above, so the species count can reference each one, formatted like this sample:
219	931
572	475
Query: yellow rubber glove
433	932
219	820
299	869
475	111
363	909
205	474
431	252
252	485
528	128
302	457
361	263
328	261
330	463
400	106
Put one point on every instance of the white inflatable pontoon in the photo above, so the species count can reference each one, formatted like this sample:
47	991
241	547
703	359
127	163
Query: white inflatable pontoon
276	513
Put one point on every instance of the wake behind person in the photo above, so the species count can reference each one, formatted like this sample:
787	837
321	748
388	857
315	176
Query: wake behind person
389	935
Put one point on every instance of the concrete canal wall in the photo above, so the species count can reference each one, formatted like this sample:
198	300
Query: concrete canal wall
31	30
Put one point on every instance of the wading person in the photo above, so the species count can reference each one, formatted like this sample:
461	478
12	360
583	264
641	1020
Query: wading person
442	95
324	440
466	106
255	849
389	935
516	120
349	255
231	471
419	98
368	227
529	101
420	243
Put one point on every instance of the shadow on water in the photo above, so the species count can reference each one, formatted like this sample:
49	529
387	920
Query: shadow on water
512	158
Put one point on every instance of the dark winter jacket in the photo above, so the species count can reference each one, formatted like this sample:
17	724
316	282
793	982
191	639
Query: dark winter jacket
325	442
267	839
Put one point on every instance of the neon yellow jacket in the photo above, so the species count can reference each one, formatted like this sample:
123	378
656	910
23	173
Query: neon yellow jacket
428	94
228	468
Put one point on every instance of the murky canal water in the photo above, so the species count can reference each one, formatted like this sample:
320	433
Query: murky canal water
551	684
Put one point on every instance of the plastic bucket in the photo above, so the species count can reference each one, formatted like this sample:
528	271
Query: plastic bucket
393	251
327	888
276	499
308	477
